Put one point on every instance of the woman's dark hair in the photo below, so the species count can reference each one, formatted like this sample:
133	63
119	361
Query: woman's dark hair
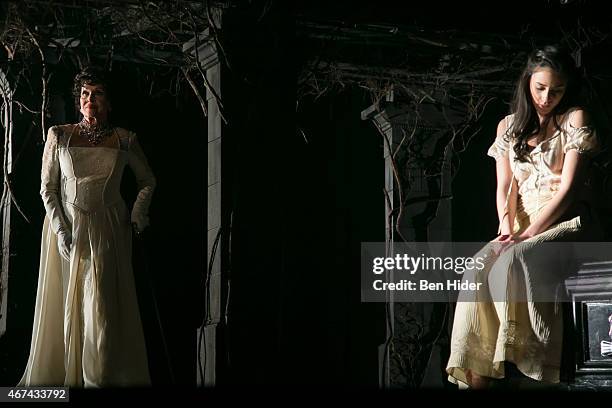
526	122
91	75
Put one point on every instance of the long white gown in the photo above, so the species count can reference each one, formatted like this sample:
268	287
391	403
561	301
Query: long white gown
87	329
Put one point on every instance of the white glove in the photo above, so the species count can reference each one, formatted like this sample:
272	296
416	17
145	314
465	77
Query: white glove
64	242
146	184
140	221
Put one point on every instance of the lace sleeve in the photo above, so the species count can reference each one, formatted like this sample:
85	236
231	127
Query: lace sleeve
144	178
50	182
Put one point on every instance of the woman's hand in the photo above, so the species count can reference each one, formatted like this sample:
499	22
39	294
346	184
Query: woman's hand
64	242
504	241
501	243
528	233
502	238
139	220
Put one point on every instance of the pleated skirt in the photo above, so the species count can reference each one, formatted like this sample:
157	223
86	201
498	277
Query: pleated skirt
490	329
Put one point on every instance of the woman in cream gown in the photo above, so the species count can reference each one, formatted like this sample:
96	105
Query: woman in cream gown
537	202
87	329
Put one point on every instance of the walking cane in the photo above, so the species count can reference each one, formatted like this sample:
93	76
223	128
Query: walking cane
142	251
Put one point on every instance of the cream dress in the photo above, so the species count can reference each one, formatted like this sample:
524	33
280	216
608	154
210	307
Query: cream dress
487	330
87	329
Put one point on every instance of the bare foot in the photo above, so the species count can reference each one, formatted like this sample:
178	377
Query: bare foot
477	382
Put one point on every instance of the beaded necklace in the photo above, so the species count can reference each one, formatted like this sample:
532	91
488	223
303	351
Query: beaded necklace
95	134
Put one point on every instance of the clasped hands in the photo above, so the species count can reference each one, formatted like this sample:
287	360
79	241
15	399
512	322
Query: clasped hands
505	241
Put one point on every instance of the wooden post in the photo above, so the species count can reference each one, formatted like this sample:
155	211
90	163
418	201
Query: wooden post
207	333
5	201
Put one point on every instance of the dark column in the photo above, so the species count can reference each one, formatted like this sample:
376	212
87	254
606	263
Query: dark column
250	128
5	204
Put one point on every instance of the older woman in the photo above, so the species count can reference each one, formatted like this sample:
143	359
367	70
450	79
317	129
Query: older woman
87	329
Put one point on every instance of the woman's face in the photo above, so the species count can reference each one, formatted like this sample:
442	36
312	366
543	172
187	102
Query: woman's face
547	88
94	102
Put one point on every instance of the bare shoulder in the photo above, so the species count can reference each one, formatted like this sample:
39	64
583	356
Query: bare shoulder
578	117
504	125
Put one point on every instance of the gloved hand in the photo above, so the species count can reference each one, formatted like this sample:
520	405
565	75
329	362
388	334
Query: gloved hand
64	242
139	220
146	184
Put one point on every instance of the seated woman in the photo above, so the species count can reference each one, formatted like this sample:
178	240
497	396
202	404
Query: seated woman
542	152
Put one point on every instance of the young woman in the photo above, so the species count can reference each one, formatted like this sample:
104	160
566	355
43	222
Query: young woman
542	151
